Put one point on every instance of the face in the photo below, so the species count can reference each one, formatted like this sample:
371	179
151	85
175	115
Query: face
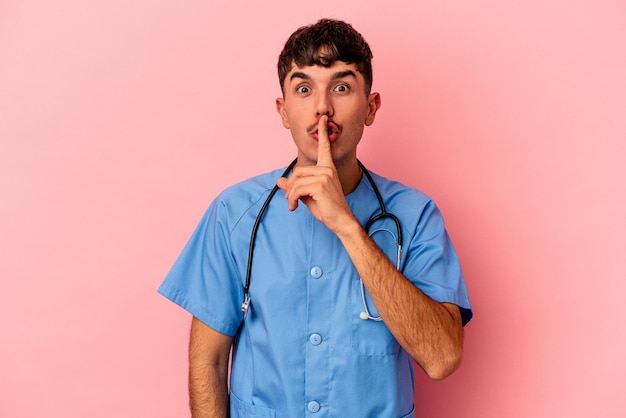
339	92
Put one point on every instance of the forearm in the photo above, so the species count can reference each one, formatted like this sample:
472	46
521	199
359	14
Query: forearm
208	392
208	372
429	331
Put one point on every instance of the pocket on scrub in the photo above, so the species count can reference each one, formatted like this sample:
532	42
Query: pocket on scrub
368	336
410	414
241	409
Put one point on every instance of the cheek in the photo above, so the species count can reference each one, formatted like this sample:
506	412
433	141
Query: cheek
292	117
358	119
357	131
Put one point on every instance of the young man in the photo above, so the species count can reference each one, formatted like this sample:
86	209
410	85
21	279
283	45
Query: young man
335	312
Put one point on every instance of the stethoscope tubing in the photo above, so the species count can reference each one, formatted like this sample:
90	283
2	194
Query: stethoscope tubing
383	209
257	222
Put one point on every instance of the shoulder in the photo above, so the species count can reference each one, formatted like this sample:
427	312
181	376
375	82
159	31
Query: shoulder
398	194
415	209
251	188
234	201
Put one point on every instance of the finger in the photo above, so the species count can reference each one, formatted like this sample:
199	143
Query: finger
300	189
283	184
297	188
324	153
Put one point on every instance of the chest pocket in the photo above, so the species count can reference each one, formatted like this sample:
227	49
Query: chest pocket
369	337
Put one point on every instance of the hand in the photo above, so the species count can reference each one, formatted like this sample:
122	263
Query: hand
318	186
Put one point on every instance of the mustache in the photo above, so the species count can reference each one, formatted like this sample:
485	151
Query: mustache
313	128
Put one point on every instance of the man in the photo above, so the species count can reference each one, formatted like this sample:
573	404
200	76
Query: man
332	320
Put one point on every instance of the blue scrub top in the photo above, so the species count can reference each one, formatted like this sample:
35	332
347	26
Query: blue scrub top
303	349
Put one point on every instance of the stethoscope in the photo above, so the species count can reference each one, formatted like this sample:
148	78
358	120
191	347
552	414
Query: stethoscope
382	215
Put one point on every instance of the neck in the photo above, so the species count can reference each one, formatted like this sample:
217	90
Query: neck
349	175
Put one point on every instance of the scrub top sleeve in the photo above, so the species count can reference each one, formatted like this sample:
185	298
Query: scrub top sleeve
204	280
432	264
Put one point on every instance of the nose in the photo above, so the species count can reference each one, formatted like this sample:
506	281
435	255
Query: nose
323	104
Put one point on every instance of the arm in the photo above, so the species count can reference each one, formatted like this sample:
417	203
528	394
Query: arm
431	332
209	352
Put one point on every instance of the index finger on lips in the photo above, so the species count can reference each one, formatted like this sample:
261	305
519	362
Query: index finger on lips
324	153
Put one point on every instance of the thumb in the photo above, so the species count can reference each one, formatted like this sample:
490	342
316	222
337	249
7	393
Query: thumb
282	183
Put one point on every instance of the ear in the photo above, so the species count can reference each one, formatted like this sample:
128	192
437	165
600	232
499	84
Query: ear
280	108
373	104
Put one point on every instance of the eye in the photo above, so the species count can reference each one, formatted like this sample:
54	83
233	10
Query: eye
303	89
342	88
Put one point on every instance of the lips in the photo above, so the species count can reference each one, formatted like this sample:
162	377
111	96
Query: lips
333	131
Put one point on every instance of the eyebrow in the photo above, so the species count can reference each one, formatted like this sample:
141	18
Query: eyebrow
336	76
342	74
298	74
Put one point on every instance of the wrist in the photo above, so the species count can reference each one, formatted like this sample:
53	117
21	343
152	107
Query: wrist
350	231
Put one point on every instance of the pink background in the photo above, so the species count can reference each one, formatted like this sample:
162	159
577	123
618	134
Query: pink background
120	120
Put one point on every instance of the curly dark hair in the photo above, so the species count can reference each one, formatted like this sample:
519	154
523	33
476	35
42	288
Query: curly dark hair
323	43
